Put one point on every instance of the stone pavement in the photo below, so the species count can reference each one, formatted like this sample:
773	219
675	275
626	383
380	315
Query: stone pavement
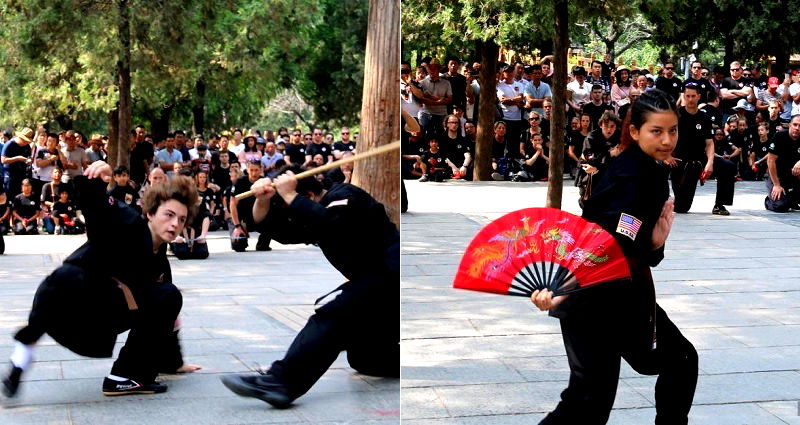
729	283
239	311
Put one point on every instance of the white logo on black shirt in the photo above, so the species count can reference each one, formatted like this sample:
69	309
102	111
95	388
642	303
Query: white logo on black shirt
741	84
699	126
674	84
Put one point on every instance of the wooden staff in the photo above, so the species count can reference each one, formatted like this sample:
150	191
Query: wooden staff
323	168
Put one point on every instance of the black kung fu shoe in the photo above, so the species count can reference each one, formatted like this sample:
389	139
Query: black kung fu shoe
129	386
720	210
11	382
263	387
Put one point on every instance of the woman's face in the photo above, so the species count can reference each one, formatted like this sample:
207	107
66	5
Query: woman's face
585	122
500	131
202	178
168	221
27	189
658	135
41	139
623	75
719	135
575	123
641	82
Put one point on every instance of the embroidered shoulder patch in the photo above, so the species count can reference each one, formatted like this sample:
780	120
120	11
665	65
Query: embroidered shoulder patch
337	203
629	226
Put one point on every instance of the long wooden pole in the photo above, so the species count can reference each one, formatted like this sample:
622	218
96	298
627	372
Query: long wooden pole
323	168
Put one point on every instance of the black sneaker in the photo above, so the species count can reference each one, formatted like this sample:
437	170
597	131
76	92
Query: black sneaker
11	382
263	248
112	387
263	387
720	210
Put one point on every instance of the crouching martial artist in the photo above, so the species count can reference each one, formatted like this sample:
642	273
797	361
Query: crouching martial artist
119	279
364	319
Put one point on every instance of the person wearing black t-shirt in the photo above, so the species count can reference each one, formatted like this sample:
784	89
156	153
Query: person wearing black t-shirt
434	162
733	89
141	159
535	160
743	136
344	145
458	84
5	216
319	148
669	83
295	153
411	150
711	109
25	210
65	216
598	149
783	163
596	107
693	158
759	151
241	211
16	156
457	149
123	191
702	86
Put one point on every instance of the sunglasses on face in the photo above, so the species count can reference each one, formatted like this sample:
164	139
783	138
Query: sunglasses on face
669	68
345	132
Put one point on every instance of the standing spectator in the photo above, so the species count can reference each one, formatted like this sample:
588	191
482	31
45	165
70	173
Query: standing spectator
272	160
75	158
435	94
669	83
595	108
38	179
702	85
536	91
547	71
597	77
733	89
26	210
577	91
608	66
344	145
511	98
16	157
621	90
473	92
408	102
95	152
458	84
236	144
141	157
295	151
250	152
317	147
168	156
768	95
5	219
789	90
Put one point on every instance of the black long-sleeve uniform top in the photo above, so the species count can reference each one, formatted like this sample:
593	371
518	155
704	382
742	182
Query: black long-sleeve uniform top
634	185
350	227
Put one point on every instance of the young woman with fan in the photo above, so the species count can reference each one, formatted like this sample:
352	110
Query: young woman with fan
623	320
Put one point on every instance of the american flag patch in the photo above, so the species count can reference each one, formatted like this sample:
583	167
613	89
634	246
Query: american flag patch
629	226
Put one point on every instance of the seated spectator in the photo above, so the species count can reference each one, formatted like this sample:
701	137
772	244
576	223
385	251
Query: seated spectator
5	214
783	185
250	151
724	147
49	197
535	164
122	190
342	173
500	162
457	149
65	216
191	243
271	160
434	164
208	198
26	211
316	161
758	154
411	150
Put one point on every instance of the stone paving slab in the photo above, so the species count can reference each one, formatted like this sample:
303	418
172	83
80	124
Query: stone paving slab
231	323
729	283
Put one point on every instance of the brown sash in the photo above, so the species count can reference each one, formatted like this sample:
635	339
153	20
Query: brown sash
128	295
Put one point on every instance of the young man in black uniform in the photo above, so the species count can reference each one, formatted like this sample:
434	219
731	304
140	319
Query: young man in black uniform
669	83
596	107
783	164
733	89
693	158
241	211
702	86
364	318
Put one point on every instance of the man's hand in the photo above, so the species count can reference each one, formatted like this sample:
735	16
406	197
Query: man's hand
777	192
286	186
664	224
707	171
98	169
263	189
543	300
238	232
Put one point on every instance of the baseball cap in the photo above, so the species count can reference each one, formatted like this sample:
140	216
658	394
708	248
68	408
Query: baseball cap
773	82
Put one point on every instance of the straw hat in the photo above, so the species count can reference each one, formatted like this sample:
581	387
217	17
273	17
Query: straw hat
26	134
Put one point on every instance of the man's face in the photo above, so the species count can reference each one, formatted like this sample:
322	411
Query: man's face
296	137
597	95
773	109
518	70
609	127
548	107
433	72
180	139
139	133
736	71
704	73
346	135
270	148
452	67
596	69
70	141
235	166
237	135
317	136
329	138
669	70
794	128
690	98
697	70
508	75
254	172
52	143
170	144
500	131
223	143
157	177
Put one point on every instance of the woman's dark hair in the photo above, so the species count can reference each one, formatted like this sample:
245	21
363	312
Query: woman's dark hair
179	188
618	75
650	102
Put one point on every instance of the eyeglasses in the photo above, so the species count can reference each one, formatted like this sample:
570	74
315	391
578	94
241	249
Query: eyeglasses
345	132
669	68
307	138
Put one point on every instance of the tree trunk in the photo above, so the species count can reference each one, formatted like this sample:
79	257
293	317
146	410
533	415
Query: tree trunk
64	121
728	50
113	134
198	110
380	111
555	184
159	126
486	107
122	156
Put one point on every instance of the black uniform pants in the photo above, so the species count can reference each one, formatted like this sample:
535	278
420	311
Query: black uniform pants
790	200
363	320
594	348
86	317
686	175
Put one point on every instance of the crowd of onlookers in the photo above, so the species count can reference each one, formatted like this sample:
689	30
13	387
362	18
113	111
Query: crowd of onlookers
745	106
37	168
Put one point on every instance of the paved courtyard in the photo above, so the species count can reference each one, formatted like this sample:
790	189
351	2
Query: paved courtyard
240	311
729	283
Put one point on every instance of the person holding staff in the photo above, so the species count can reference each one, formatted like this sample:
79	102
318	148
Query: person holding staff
119	279
622	319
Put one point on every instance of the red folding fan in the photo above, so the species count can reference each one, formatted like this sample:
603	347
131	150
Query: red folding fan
540	248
